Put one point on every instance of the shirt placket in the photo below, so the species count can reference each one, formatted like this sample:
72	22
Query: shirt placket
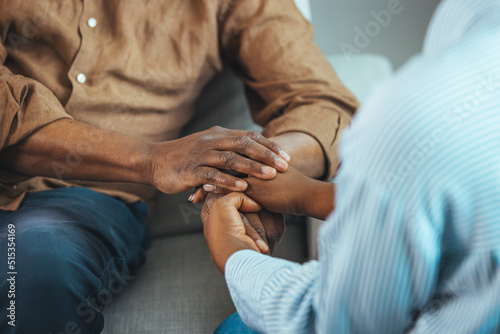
80	72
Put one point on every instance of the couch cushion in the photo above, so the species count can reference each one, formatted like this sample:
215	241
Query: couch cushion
172	214
179	290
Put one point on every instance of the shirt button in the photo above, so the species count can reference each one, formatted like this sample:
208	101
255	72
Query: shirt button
81	78
92	22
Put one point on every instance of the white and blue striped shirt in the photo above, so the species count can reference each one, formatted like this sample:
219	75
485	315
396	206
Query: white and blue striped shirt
414	243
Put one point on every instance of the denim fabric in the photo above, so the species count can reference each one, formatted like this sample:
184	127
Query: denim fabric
233	325
74	250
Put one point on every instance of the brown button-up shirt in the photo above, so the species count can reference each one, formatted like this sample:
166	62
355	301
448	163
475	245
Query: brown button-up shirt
136	67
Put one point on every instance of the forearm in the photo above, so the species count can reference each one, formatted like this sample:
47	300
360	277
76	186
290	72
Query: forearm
306	153
70	149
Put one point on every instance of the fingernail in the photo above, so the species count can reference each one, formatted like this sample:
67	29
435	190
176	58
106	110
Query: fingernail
285	155
191	198
281	163
240	184
262	246
208	187
266	170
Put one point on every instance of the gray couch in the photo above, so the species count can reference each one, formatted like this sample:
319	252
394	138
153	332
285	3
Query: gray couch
179	290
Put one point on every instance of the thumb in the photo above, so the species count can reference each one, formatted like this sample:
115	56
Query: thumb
242	202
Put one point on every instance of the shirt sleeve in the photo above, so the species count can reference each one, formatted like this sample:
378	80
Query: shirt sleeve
379	254
377	266
279	296
379	260
25	106
289	84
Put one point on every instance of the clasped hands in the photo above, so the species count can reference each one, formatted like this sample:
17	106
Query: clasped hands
226	217
271	188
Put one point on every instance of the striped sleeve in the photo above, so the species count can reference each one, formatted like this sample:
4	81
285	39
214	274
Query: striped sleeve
413	244
279	296
379	263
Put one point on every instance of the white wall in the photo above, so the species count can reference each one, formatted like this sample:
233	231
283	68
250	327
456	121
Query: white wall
397	36
305	7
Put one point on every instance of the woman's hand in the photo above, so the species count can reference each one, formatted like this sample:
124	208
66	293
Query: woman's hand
286	193
292	192
265	228
224	229
289	192
198	159
283	194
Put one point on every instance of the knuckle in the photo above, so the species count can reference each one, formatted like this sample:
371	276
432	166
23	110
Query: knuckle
253	166
245	220
269	154
210	175
273	237
205	138
190	165
260	231
229	158
254	135
216	128
243	141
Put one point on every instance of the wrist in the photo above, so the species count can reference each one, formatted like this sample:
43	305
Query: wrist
144	162
303	192
221	249
319	202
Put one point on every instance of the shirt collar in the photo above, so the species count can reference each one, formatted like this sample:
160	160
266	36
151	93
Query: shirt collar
456	18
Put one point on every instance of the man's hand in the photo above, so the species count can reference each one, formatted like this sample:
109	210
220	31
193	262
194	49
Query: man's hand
306	153
224	229
197	159
73	150
265	228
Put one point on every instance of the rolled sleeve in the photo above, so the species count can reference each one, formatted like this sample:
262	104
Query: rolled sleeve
290	87
323	124
25	106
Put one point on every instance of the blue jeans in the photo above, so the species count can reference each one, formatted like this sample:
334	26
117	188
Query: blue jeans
74	250
233	325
